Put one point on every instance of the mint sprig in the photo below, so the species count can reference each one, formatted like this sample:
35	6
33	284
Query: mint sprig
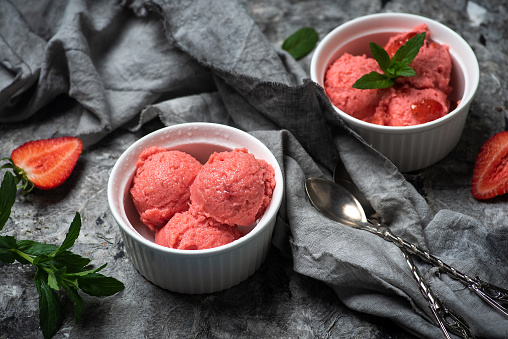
393	67
57	268
301	42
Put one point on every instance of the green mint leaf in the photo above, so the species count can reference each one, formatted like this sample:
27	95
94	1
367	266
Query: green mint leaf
373	80
301	43
69	280
7	256
7	197
84	273
7	243
407	52
399	69
405	71
76	299
52	282
381	56
35	248
73	262
68	242
392	68
42	259
50	311
99	285
56	266
72	235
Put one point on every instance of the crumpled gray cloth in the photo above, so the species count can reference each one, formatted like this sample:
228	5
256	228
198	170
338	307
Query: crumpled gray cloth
197	60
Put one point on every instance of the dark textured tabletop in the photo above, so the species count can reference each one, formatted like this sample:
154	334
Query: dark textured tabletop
275	302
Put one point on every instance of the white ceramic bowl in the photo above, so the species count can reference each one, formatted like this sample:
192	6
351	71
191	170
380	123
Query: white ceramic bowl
192	271
408	147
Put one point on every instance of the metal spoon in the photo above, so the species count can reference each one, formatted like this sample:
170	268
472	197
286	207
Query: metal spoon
337	203
341	176
495	296
441	313
330	198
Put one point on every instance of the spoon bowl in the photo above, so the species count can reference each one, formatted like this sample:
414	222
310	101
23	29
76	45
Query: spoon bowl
342	177
334	201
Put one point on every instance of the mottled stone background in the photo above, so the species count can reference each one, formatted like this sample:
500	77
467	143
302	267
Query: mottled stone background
275	302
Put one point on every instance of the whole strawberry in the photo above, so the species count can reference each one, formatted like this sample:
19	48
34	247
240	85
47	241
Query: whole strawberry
490	174
44	163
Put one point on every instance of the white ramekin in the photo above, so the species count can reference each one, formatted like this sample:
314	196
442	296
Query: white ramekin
192	271
409	147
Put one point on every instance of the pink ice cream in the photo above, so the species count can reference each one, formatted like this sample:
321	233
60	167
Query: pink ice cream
408	106
233	188
432	64
412	100
193	206
160	187
339	80
186	231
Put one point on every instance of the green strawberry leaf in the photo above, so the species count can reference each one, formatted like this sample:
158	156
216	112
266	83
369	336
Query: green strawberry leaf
19	176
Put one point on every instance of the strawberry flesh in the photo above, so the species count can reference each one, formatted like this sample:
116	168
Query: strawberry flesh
47	163
490	174
427	110
392	49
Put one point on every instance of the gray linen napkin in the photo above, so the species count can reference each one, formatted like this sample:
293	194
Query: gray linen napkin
180	61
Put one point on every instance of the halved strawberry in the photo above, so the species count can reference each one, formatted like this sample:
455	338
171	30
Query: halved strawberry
490	174
45	163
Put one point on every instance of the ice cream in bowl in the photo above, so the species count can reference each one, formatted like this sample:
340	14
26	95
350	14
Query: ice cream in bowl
196	204
416	120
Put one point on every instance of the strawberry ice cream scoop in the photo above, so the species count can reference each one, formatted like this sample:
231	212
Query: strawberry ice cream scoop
408	106
160	187
432	64
339	80
187	231
233	188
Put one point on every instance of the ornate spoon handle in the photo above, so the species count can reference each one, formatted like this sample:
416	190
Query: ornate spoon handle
446	320
495	296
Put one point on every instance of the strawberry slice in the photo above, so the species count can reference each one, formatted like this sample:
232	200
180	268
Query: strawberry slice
490	174
45	163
